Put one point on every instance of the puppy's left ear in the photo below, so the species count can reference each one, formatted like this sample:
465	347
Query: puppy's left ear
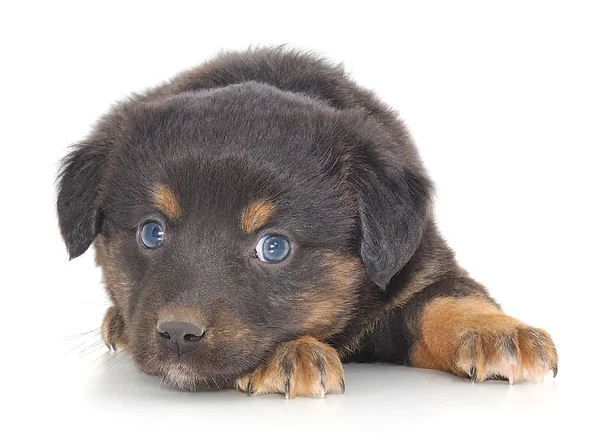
79	183
393	195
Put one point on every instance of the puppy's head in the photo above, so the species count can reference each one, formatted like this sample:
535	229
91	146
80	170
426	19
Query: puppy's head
228	221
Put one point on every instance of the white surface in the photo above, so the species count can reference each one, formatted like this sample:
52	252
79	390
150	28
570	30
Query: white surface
504	105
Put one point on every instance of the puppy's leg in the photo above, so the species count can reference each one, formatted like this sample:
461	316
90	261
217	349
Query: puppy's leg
471	337
112	329
302	367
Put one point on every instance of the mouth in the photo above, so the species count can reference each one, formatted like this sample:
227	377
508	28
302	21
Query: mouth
183	377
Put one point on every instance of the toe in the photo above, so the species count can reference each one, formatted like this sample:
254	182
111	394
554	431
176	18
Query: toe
305	367
538	354
113	328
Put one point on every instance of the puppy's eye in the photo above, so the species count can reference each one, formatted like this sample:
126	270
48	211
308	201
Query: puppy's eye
272	248
152	234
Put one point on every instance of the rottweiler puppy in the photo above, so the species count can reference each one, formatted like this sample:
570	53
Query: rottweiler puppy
260	220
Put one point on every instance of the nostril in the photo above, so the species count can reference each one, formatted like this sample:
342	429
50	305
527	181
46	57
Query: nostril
164	334
179	336
193	337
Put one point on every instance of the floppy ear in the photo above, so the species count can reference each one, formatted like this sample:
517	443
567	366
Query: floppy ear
393	198
79	216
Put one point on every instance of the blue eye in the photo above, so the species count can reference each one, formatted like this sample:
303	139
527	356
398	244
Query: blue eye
152	234
272	248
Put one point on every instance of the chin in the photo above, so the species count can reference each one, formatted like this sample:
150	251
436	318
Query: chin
182	377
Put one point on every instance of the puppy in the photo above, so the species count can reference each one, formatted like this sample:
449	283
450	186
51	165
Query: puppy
260	220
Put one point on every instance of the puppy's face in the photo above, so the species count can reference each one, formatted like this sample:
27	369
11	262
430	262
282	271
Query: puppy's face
226	223
246	240
235	252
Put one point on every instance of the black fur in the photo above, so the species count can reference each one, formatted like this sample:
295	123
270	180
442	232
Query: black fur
348	189
79	213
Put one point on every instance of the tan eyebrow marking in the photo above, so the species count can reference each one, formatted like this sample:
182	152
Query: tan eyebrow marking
165	200
256	215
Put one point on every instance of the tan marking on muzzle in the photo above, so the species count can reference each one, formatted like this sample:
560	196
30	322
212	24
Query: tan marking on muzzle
178	313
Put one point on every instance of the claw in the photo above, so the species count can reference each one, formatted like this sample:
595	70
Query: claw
343	386
287	388
112	328
249	388
554	370
473	374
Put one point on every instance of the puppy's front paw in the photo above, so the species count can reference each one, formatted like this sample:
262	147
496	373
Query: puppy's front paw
473	338
113	329
505	348
303	367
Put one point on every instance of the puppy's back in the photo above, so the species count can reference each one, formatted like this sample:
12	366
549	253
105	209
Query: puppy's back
289	70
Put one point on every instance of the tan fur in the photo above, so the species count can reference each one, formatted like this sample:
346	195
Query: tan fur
425	276
303	367
115	278
165	200
226	326
118	286
326	313
256	215
180	313
113	329
471	337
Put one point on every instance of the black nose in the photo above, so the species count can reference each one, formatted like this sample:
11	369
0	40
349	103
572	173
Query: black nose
180	337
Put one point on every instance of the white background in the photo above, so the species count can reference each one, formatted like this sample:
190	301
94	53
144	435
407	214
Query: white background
504	103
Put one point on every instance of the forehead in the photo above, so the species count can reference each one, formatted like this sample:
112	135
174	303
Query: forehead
239	120
208	157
